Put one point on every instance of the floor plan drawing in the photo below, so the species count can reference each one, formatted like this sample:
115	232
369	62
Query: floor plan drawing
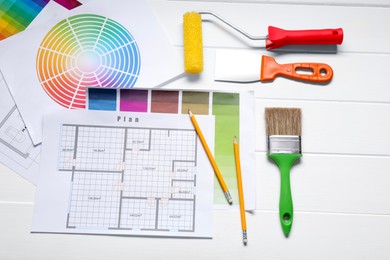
16	148
121	174
130	178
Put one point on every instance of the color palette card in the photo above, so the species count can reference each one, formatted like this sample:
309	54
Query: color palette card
15	16
234	116
112	44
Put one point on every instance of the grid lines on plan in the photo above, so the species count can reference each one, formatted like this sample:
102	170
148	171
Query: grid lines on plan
130	178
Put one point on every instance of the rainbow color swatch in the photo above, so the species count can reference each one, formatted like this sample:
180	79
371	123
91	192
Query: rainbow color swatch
86	50
16	15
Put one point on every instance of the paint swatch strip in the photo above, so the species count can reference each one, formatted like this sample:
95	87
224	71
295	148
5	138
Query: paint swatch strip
224	106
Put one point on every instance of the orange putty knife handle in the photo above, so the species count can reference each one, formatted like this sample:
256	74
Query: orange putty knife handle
318	72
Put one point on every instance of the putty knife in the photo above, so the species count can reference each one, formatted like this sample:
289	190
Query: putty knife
247	66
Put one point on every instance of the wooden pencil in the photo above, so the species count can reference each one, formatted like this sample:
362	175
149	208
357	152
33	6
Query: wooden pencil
240	191
211	158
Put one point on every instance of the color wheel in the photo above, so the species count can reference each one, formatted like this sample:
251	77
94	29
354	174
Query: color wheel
86	50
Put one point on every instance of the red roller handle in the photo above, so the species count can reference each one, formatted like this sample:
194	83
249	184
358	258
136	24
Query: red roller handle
278	37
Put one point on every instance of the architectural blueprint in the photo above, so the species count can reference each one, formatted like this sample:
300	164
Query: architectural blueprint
137	174
16	148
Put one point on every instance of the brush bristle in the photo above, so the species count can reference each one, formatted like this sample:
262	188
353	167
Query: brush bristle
283	121
193	44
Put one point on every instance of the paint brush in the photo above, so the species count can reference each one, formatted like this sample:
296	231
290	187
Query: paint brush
283	127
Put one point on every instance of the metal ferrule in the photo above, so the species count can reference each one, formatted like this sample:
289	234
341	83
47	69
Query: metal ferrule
290	144
244	237
228	197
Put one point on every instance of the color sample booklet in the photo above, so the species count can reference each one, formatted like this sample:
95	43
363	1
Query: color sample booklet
15	16
124	174
114	44
234	116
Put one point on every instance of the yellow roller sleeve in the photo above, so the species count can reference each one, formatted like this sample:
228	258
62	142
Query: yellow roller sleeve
193	46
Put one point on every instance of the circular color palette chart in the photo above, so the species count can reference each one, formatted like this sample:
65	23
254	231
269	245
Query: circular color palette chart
86	51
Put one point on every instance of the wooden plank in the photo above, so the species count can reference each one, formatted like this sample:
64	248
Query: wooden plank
335	127
14	188
360	3
318	183
354	78
328	183
322	236
360	25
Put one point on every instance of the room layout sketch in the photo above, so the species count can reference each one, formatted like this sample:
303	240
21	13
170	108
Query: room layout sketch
14	135
16	148
129	178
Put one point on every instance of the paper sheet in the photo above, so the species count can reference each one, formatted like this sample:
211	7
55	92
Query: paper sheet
102	43
234	115
124	174
17	151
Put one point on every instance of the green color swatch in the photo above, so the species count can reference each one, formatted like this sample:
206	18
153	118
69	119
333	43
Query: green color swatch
226	109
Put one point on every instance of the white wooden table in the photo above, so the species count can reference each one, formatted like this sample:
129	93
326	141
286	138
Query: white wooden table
341	187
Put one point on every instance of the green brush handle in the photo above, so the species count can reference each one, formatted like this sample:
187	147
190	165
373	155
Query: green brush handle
285	162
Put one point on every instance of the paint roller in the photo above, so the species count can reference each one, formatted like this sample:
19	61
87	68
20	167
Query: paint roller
277	37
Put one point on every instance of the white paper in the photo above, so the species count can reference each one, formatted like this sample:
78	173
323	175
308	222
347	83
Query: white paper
124	174
247	148
17	151
18	60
